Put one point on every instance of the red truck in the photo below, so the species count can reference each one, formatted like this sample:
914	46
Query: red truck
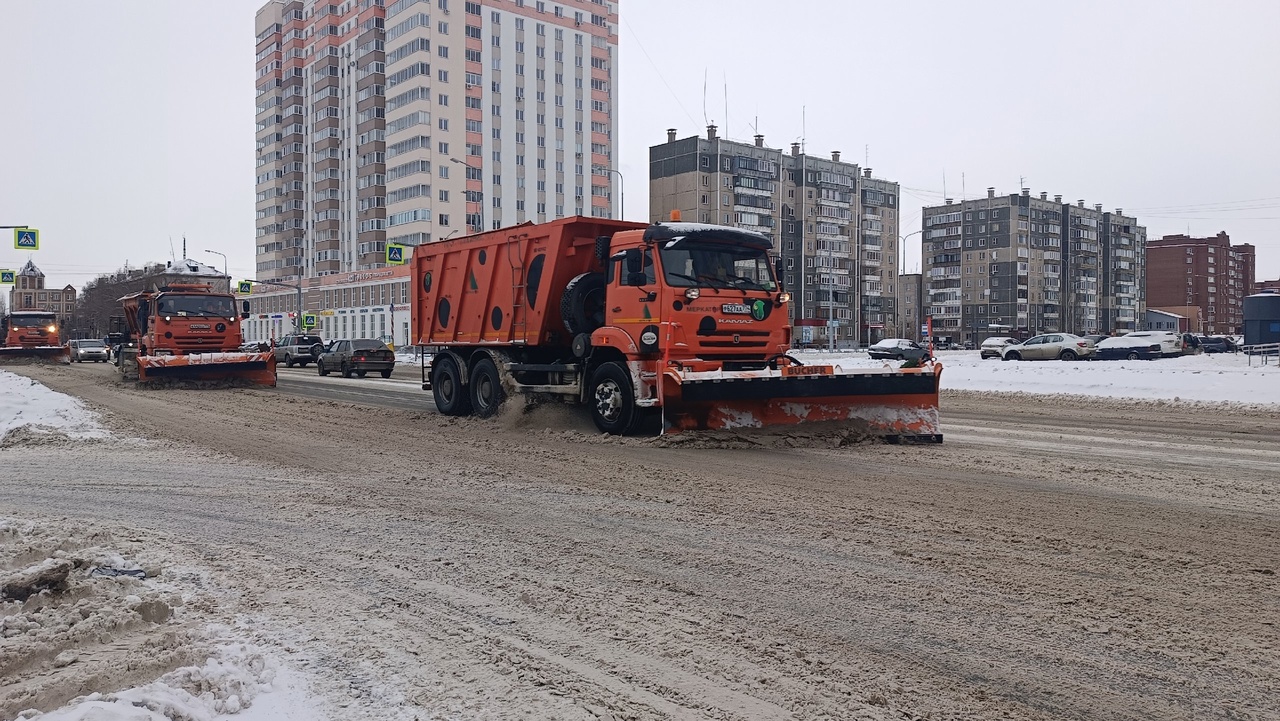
682	320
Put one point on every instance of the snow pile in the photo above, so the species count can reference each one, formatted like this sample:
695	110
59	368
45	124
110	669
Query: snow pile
26	404
98	629
230	682
1217	377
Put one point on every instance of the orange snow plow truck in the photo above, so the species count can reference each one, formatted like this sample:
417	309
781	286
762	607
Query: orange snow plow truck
681	320
32	335
188	332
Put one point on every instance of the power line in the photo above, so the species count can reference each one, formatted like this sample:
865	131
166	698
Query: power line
640	45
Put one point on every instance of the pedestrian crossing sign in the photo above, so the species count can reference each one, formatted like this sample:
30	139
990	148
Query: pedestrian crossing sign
245	287
26	239
8	277
395	254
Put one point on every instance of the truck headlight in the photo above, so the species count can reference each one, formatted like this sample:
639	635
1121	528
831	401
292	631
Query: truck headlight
52	329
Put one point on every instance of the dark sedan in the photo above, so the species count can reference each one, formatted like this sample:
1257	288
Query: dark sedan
358	357
1216	344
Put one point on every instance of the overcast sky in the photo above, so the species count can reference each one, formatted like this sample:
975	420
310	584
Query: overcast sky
130	122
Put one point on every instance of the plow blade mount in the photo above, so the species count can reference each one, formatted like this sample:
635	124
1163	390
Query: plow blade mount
897	404
252	368
17	355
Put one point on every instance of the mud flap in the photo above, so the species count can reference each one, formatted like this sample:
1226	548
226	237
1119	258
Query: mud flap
899	405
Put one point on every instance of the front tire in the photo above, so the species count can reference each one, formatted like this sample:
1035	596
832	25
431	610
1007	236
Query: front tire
1015	356
447	388
612	399
1133	355
487	393
1067	355
321	369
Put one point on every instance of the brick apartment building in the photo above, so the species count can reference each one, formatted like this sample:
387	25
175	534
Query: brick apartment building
1208	274
29	293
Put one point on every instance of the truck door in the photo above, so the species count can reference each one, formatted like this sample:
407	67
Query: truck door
631	301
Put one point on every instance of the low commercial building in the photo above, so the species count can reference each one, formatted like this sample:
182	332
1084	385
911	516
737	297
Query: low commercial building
1164	320
369	304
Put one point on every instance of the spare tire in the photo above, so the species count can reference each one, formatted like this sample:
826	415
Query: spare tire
582	304
316	349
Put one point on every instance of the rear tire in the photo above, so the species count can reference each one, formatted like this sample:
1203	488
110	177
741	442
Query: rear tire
447	389
346	370
582	304
612	399
288	361
321	369
487	393
1133	355
1067	355
386	373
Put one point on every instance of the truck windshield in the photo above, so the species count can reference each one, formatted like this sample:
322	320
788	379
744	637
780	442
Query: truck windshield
689	263
199	305
31	321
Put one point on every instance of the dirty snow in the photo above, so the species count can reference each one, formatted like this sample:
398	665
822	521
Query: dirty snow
1217	377
101	648
26	403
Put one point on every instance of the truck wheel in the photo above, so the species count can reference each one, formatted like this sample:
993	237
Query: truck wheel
447	389
582	304
487	393
612	399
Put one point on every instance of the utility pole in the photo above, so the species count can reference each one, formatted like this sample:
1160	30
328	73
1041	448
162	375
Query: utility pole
622	190
467	165
297	325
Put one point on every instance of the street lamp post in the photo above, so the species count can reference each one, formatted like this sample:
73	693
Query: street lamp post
622	190
224	266
465	164
897	288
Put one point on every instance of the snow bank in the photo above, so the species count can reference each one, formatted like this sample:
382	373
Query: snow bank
26	403
1218	377
239	681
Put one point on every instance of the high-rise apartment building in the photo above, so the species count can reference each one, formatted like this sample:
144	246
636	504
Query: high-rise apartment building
834	226
426	118
911	299
1209	275
1024	264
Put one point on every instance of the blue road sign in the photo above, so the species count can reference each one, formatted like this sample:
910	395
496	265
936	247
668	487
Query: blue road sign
8	277
26	239
245	287
395	254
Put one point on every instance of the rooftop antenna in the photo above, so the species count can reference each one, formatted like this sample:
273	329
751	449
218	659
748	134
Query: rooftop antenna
728	127
866	155
944	182
184	247
705	121
963	197
803	127
172	255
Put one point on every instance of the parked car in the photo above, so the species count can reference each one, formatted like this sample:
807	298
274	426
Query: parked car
1171	344
1050	346
898	349
1130	347
994	347
88	349
1095	338
1216	344
299	350
358	357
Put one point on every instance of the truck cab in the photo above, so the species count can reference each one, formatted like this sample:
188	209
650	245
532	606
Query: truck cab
30	329
183	320
694	292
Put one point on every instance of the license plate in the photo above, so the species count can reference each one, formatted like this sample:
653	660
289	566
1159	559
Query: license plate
788	371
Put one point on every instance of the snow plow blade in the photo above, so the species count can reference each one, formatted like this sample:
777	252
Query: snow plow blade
251	368
20	355
899	405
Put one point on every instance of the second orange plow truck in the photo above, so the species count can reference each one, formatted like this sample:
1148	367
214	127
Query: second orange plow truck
679	320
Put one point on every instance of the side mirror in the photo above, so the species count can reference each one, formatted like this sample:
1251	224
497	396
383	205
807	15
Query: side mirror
777	272
635	262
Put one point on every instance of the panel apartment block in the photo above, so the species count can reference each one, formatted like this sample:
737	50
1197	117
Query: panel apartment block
1208	274
834	226
1024	264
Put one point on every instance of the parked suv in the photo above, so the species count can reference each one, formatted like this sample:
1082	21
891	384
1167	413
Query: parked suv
299	350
